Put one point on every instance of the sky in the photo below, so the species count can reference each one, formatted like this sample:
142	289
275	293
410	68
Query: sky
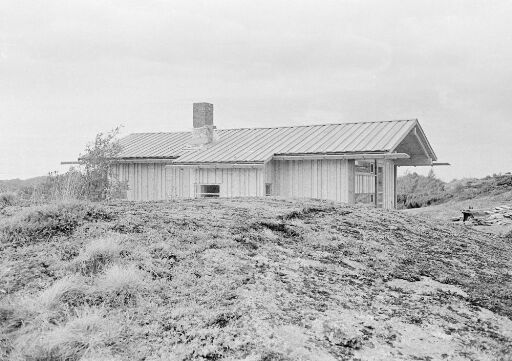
71	69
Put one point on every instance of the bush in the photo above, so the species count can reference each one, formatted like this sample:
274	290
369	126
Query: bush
414	191
99	179
93	180
421	200
43	222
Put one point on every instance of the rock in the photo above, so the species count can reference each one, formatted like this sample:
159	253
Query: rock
343	335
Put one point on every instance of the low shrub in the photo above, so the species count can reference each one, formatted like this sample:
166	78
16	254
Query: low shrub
43	222
421	200
97	255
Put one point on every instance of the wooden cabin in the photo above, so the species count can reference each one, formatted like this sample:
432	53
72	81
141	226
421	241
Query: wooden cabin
348	162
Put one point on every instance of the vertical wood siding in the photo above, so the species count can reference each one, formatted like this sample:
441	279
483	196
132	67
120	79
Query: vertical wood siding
389	185
146	181
325	179
234	182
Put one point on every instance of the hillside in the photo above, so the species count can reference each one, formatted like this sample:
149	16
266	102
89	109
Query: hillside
416	191
14	185
249	280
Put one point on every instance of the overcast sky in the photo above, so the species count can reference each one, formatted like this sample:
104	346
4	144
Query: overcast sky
70	69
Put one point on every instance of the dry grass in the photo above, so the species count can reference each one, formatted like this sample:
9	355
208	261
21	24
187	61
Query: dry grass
69	290
257	280
98	254
85	332
120	278
7	199
40	223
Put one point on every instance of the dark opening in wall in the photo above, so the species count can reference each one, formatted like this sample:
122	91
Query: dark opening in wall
208	190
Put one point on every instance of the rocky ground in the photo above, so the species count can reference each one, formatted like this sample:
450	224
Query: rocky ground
249	280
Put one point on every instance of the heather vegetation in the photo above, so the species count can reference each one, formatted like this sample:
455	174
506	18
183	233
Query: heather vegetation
240	279
415	191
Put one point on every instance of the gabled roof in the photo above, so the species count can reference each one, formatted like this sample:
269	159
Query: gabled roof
256	145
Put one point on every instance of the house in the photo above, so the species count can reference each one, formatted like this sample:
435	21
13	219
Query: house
348	162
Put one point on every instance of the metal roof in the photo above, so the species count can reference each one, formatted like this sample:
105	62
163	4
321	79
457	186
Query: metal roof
154	145
255	145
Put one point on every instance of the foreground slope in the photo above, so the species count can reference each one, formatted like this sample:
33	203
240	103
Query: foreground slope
445	212
251	280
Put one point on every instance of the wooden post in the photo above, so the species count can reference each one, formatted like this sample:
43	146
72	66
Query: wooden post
395	168
376	174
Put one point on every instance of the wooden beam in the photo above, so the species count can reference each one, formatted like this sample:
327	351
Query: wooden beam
376	191
395	184
414	161
217	165
143	160
343	156
421	143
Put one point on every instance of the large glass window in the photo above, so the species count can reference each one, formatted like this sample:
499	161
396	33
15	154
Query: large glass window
369	186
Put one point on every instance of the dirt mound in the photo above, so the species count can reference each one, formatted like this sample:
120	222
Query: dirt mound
256	280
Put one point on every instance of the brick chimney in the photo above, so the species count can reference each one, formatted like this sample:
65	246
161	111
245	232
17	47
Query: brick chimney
203	132
203	114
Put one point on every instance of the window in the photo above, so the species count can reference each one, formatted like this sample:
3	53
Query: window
369	182
207	190
268	189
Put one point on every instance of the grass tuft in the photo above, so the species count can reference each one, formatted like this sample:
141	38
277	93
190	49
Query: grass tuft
7	199
97	255
69	290
87	331
121	284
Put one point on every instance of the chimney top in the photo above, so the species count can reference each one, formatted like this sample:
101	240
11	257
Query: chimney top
202	114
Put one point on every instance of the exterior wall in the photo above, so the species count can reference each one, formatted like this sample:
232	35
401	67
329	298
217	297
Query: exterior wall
324	179
146	181
234	182
389	179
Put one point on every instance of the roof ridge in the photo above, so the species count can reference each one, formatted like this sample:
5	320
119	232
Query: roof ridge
290	126
326	124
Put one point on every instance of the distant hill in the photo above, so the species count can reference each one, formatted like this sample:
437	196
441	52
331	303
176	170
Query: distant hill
13	185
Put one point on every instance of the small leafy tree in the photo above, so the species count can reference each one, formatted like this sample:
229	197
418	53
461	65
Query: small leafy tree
100	181
94	179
